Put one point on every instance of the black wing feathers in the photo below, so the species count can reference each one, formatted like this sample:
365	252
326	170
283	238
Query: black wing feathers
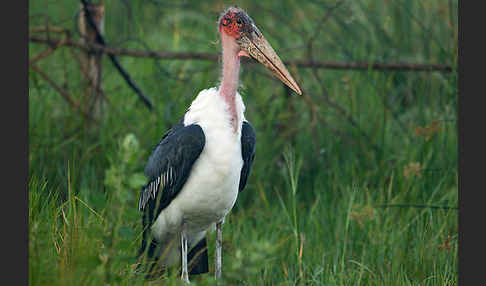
170	164
167	169
248	139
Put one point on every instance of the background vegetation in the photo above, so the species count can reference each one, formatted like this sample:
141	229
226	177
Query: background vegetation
349	181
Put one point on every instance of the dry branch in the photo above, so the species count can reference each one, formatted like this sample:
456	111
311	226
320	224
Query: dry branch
92	62
416	206
48	51
214	57
61	91
101	41
48	29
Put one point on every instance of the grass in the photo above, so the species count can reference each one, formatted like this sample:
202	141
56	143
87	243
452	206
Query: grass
322	205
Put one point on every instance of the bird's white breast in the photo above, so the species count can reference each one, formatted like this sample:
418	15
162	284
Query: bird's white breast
212	187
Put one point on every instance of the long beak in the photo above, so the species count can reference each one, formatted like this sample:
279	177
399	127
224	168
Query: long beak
258	48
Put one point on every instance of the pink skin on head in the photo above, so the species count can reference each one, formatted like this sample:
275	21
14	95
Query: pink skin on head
231	64
229	24
240	37
237	27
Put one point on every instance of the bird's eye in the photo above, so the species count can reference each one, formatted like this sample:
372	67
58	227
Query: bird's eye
238	21
226	22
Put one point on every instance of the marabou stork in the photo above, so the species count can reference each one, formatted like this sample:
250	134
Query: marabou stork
201	164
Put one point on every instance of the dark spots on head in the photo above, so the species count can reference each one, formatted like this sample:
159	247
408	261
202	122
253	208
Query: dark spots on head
236	22
225	21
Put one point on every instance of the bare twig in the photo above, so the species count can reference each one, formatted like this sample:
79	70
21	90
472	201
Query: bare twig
365	66
55	29
416	206
84	71
100	40
49	50
61	91
167	3
400	66
323	20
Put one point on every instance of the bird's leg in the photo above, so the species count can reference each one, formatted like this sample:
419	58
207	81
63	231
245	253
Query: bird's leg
219	242
185	274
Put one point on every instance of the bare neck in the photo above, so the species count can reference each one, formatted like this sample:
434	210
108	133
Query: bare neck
230	74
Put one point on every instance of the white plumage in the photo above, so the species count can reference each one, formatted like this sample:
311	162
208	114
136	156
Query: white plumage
212	187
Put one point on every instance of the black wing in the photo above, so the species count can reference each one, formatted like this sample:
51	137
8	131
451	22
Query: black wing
248	139
167	169
169	166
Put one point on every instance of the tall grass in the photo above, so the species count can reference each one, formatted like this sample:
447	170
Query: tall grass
322	205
